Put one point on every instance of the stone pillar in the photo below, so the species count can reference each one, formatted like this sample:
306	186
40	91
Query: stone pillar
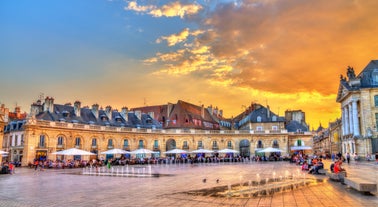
343	121
350	118
346	120
356	125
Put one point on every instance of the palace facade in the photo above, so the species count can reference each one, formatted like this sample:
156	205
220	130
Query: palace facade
358	98
52	127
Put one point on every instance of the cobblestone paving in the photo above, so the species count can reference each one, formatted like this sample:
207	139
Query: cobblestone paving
69	188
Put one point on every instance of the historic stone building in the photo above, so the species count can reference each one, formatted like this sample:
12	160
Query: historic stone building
3	121
358	97
53	127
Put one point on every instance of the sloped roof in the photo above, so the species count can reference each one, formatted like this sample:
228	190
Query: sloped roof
295	126
67	113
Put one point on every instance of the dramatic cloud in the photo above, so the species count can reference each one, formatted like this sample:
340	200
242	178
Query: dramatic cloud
280	46
172	9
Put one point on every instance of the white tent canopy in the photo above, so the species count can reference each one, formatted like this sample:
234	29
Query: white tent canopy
115	151
270	149
202	151
175	151
73	151
228	151
3	152
142	151
294	148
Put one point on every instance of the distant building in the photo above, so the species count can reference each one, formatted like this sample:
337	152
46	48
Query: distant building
183	115
358	97
259	118
3	121
295	121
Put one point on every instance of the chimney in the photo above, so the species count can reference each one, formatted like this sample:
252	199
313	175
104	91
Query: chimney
35	108
49	104
138	113
77	107
268	111
210	109
125	113
221	113
95	110
169	109
108	112
202	111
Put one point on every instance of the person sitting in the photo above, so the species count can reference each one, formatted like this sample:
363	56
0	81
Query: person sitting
332	166
305	166
319	165
341	172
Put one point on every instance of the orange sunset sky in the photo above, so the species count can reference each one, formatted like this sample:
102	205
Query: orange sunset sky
288	54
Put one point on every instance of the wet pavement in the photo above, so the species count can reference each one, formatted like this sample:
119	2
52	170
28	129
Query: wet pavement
175	183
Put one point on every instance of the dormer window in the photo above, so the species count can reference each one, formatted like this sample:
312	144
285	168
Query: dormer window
274	118
258	119
374	77
65	113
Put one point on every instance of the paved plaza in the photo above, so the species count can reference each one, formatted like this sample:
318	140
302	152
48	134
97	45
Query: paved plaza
69	187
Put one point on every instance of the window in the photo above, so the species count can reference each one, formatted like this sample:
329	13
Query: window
229	144
275	144
22	140
110	142
299	142
215	144
259	119
200	144
141	144
125	143
274	128
42	140
259	128
260	144
274	118
77	141
185	144
60	140
376	120
94	142
156	143
374	76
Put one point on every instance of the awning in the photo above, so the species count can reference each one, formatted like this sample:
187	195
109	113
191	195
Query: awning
295	148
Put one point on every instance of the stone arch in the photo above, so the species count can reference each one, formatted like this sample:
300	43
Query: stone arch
244	147
170	144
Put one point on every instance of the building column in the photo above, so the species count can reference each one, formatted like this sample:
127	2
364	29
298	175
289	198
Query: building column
346	120
350	118
356	125
343	121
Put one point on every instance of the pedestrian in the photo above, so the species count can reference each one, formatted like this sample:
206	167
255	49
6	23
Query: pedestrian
348	157
333	157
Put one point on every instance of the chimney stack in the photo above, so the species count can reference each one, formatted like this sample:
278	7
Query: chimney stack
202	111
95	110
49	104
108	112
77	108
125	113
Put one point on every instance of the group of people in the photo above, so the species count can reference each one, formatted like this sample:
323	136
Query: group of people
7	168
313	167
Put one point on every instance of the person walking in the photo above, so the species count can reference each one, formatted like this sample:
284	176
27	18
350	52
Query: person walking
348	157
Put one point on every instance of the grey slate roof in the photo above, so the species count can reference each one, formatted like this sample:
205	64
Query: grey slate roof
66	113
295	126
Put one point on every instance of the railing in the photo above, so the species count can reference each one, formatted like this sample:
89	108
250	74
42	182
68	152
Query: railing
41	145
110	146
156	131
